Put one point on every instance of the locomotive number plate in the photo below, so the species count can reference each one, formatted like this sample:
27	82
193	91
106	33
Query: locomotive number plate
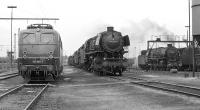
37	61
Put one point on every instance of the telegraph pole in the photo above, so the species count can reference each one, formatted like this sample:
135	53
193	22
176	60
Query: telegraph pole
15	54
11	34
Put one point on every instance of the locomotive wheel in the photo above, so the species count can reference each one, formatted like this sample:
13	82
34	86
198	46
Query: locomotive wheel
54	77
117	74
104	73
114	73
100	73
120	73
23	76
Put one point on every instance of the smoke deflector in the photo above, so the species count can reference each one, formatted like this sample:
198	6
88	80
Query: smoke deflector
126	40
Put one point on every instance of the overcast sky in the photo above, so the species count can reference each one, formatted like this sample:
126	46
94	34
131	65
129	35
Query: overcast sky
82	19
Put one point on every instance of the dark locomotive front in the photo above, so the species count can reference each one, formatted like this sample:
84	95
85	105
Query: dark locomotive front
104	52
172	57
40	53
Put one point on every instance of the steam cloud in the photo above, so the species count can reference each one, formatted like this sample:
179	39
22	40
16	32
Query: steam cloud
140	33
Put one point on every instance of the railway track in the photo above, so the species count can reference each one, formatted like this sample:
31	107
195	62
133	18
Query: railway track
171	87
22	97
9	75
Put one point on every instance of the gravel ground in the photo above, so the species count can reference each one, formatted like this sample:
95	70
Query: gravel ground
114	97
79	90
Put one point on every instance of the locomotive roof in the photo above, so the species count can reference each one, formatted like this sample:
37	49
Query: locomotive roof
34	30
40	30
39	27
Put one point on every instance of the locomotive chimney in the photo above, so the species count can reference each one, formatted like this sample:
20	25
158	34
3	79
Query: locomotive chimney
109	28
158	39
169	45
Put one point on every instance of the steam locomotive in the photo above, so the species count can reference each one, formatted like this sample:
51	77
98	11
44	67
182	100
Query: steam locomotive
162	58
40	53
165	58
102	53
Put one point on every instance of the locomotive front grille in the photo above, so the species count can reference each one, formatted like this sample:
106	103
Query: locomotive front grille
37	72
37	68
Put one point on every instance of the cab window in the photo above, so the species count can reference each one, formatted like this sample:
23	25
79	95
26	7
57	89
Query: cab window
47	38
29	38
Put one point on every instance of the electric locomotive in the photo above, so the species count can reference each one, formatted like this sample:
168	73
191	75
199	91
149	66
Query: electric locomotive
40	53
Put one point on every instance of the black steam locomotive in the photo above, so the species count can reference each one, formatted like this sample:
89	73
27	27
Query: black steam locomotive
40	53
162	58
165	58
102	53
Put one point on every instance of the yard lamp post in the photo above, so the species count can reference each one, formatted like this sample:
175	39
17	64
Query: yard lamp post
11	34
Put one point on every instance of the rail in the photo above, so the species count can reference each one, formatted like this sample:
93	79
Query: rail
171	87
8	75
38	88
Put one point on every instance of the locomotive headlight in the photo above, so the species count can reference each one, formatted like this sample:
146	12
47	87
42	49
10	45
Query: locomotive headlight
38	29
50	67
24	54
50	54
23	68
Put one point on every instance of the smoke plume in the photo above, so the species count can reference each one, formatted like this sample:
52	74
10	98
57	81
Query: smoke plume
140	33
